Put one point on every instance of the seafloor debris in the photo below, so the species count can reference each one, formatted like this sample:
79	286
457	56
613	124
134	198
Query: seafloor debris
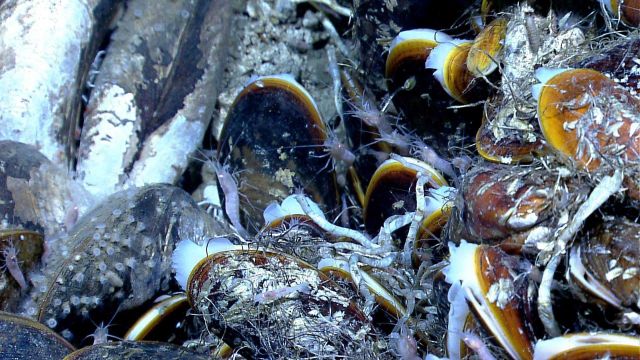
271	179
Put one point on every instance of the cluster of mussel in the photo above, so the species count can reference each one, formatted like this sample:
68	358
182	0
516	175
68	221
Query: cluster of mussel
362	239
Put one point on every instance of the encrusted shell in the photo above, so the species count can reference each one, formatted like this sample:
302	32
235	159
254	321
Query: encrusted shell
121	258
262	302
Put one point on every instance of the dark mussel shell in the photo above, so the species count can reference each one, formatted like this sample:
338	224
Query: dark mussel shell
162	322
36	194
392	190
121	259
377	22
273	141
135	351
23	338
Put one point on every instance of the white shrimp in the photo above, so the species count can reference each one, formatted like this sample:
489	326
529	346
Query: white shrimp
231	196
10	254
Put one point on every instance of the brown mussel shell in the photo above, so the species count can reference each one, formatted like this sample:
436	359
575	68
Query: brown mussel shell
500	204
23	338
273	140
121	258
606	264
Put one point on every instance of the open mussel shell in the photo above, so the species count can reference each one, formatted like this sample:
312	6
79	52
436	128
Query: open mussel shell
494	285
138	350
273	141
587	346
588	117
21	252
626	10
606	264
377	22
391	190
263	302
120	260
383	296
23	338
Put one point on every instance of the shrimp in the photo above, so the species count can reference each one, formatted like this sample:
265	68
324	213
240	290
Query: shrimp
231	196
10	254
425	153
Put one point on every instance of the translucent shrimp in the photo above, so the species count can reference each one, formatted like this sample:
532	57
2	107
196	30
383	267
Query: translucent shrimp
231	196
11	263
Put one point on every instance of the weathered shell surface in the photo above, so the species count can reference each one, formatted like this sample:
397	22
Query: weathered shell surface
36	194
135	351
121	257
268	303
22	338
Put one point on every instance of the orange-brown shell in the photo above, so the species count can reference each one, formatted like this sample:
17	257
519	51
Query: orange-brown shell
588	117
485	51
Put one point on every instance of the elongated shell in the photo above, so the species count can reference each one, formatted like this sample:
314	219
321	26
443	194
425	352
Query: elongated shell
450	61
588	346
484	55
488	280
273	141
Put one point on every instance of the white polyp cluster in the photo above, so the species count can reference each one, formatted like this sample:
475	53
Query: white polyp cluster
543	75
188	254
546	349
420	34
289	206
437	60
